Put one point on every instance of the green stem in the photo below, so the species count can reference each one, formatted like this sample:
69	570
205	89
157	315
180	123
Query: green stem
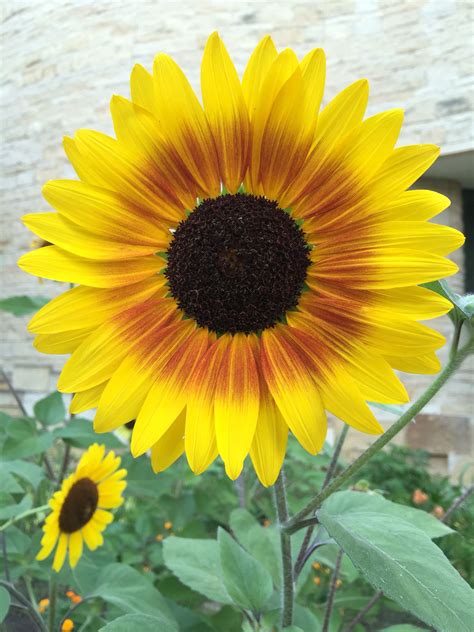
332	592
452	365
24	603
30	591
302	554
53	594
287	589
25	514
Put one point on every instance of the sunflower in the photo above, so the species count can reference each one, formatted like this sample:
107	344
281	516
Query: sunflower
79	508
243	266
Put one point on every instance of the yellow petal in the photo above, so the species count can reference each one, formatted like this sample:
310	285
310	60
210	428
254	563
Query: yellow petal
130	384
288	376
105	213
342	114
75	548
53	263
256	72
61	551
86	400
200	436
140	132
96	359
141	88
426	364
269	442
83	307
412	205
171	445
168	394
69	236
236	404
226	112
402	169
61	343
184	124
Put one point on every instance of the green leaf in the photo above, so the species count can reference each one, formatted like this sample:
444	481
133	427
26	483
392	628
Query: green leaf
51	409
25	470
372	505
247	581
23	440
23	305
79	433
463	306
4	603
392	548
263	543
130	591
197	564
141	622
9	511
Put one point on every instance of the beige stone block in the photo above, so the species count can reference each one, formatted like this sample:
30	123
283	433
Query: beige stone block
31	378
440	434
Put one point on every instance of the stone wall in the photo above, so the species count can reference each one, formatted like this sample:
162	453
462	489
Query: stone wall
63	60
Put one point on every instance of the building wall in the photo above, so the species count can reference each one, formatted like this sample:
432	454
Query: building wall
63	60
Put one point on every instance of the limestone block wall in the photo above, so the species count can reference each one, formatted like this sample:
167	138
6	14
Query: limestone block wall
62	60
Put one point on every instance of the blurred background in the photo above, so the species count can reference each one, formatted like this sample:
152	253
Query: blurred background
62	61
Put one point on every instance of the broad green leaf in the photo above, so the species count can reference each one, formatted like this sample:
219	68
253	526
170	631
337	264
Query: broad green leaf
51	409
392	548
197	564
4	603
22	440
79	433
25	470
263	543
247	581
373	505
293	628
9	511
141	623
23	305
130	591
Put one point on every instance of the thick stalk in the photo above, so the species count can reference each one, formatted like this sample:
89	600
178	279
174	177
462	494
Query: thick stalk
287	589
53	595
453	364
332	592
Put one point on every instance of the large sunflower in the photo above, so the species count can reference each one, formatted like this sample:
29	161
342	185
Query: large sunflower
243	266
79	508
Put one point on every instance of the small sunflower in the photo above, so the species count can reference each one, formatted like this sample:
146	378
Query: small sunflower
79	508
243	266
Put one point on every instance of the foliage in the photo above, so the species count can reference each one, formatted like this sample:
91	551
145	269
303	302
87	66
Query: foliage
183	555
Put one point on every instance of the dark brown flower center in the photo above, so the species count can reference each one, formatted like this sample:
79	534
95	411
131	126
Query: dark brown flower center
79	506
237	263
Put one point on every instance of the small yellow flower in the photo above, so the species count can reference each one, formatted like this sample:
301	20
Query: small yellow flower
338	583
67	625
43	604
159	537
267	522
316	566
327	571
317	580
79	508
168	525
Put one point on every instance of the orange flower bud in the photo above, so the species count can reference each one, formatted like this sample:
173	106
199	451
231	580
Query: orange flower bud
67	625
